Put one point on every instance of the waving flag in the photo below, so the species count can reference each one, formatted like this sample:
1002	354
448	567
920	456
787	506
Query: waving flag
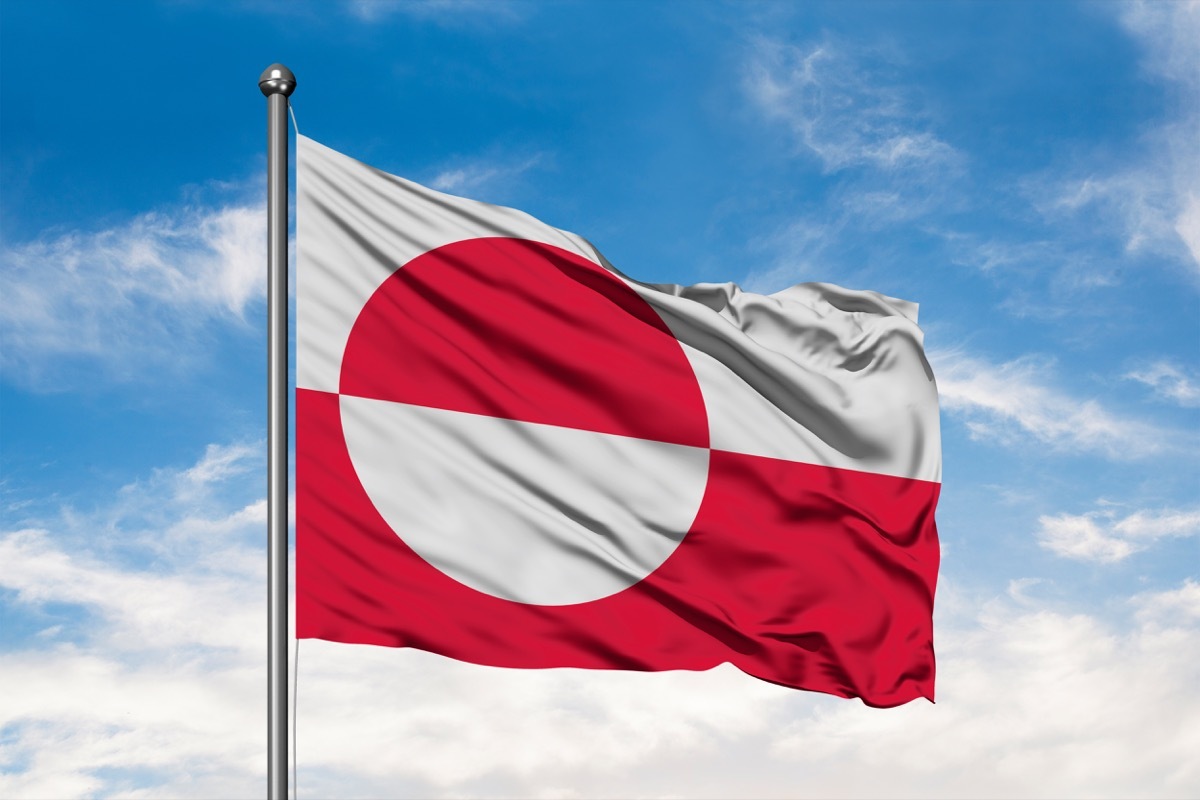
510	453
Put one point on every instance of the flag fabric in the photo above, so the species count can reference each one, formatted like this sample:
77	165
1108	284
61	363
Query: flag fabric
509	453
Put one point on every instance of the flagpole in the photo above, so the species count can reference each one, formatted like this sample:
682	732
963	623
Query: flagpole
277	82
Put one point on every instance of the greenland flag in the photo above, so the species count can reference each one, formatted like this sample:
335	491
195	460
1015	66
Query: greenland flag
509	453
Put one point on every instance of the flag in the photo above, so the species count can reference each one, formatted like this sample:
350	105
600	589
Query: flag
509	453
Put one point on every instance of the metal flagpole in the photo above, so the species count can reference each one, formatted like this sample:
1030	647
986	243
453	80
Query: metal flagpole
277	82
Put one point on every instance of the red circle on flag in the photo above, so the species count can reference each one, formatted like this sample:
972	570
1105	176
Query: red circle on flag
524	421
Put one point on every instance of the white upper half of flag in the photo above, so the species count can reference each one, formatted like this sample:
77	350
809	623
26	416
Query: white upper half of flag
813	374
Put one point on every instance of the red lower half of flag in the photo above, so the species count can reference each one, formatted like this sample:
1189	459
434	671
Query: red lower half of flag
807	576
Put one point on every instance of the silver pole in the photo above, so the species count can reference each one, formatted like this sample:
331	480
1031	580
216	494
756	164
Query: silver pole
277	82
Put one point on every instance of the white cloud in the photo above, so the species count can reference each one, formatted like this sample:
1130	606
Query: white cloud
220	462
1079	537
182	729
1175	607
1015	400
158	690
130	294
142	609
1101	536
840	108
539	727
1169	382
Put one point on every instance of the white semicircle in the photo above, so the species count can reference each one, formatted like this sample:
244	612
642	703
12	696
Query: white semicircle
523	511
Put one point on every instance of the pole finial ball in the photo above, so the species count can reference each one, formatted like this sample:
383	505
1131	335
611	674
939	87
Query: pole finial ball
277	79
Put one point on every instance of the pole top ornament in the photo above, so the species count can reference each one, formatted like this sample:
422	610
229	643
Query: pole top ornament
277	79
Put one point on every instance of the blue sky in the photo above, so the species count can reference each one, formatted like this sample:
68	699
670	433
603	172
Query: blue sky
1027	172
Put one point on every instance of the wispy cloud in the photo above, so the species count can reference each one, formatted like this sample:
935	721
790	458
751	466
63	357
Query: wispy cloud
1153	199
458	12
848	107
1170	34
1139	203
219	463
1169	382
479	177
842	108
130	294
1187	225
1041	273
1103	537
1016	401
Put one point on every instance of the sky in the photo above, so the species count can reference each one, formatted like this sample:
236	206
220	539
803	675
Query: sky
1028	173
